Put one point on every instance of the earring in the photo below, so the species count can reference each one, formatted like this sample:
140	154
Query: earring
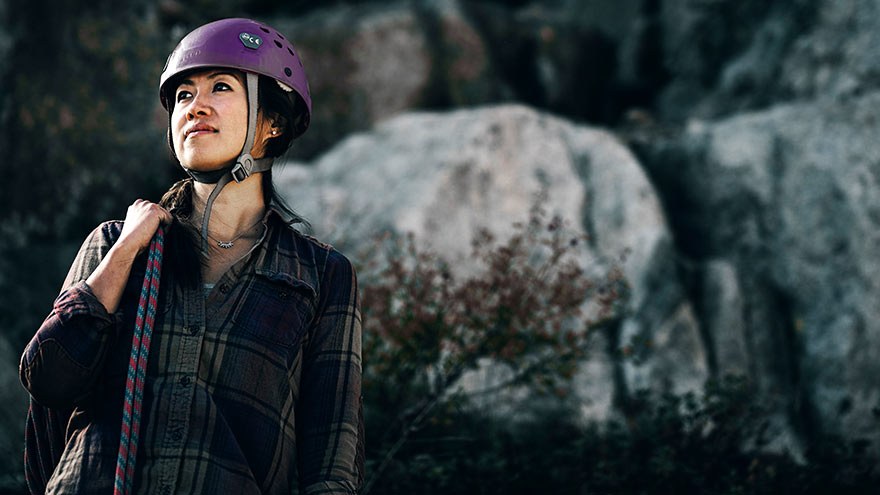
274	132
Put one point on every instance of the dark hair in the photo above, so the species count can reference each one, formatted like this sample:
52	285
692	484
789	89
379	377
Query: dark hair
184	241
288	108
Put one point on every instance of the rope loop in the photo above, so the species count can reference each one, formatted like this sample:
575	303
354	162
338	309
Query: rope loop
137	368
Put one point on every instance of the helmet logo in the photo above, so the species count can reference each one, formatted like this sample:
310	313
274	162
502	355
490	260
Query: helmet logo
251	41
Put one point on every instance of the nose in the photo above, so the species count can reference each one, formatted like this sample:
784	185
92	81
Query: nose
199	107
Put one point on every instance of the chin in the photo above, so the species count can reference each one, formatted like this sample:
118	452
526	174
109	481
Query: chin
206	164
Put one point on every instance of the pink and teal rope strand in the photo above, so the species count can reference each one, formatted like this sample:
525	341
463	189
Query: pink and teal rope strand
137	368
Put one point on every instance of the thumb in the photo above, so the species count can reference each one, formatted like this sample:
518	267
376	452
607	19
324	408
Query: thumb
166	217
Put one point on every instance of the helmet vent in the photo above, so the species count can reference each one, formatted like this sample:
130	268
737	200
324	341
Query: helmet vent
278	43
265	30
279	35
287	71
291	52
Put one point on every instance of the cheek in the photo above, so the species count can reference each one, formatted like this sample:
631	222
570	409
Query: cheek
236	134
177	123
240	124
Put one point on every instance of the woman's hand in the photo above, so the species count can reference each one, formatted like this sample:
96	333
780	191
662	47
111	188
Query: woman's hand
108	279
141	222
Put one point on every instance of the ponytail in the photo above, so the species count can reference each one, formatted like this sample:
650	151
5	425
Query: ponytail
178	199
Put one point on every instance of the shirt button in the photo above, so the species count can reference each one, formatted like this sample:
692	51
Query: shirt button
192	329
184	381
176	435
224	289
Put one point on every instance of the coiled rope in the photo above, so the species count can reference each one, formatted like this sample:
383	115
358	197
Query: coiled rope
137	368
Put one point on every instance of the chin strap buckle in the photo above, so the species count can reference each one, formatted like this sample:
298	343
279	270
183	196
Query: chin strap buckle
241	170
238	173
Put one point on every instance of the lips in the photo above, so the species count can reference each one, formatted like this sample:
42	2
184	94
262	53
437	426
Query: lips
198	130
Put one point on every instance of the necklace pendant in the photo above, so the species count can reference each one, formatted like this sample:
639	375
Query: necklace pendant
225	245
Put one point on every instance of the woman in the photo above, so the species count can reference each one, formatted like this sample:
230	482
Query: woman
253	378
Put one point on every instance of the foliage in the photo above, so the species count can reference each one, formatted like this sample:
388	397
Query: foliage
83	123
520	305
668	444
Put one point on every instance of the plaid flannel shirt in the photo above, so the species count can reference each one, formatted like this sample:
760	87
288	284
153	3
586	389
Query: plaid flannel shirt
246	386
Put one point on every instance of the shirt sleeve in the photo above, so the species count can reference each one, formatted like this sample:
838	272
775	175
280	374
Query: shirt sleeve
62	361
330	441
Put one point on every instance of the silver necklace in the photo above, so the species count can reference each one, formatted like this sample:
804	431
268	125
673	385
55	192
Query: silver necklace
230	243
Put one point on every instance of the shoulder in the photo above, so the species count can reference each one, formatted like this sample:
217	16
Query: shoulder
108	231
102	237
334	260
303	257
309	247
328	257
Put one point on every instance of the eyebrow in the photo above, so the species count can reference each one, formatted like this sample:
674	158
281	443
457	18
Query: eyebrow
211	76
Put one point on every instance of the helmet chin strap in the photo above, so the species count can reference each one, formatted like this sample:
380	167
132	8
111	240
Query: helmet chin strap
245	164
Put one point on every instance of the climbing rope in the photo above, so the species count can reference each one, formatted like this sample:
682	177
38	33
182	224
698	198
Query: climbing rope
137	368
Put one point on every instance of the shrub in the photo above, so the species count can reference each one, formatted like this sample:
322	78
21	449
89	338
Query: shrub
521	307
667	444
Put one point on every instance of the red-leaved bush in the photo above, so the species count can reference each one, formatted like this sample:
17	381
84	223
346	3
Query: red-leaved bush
527	304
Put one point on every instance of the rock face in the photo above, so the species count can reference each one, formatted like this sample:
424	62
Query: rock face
779	213
724	57
441	176
588	60
368	63
769	272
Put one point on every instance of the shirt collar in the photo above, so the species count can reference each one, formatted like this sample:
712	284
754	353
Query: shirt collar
287	256
274	210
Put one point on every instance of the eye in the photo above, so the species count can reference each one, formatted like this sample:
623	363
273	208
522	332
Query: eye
222	86
183	94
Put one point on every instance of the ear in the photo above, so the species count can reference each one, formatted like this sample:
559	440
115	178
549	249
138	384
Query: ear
278	124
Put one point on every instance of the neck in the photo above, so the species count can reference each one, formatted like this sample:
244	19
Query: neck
238	206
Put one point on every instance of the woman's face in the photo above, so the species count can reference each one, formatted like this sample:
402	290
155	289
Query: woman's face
209	120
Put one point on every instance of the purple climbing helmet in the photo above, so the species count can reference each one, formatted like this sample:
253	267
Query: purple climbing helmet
242	44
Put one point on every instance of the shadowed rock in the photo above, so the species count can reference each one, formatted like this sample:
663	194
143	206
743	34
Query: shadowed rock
779	212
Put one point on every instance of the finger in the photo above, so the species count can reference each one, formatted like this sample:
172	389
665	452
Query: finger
167	217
